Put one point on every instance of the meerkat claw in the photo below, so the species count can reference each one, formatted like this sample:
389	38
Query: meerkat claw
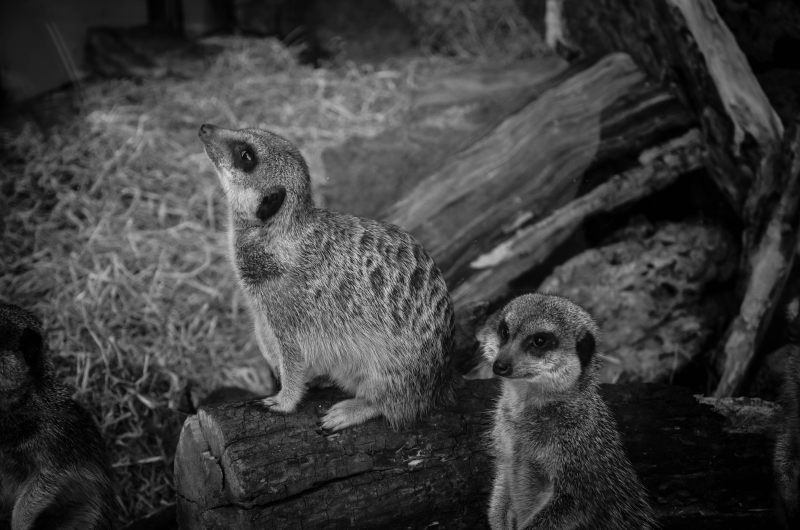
348	413
276	404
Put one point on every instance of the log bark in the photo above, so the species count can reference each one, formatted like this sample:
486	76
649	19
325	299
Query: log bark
686	44
448	112
576	134
514	84
770	250
238	466
530	245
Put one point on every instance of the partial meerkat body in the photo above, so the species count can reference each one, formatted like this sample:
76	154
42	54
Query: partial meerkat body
334	295
786	459
53	467
559	459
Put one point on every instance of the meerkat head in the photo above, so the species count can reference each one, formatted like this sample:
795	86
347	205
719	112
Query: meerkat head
545	340
263	174
22	361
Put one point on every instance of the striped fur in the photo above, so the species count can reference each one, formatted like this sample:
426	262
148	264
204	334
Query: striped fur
331	294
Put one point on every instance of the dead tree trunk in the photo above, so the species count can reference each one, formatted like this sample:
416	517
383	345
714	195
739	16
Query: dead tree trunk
770	246
530	245
685	44
239	466
447	112
577	133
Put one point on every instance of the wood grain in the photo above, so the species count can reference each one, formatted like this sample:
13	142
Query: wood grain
239	466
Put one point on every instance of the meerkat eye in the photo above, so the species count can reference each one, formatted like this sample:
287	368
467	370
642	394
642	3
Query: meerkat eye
244	157
502	331
542	340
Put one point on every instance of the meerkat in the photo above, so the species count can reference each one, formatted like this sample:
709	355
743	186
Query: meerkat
786	460
53	467
559	461
353	299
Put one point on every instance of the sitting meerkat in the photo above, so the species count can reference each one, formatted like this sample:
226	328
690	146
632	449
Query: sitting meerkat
353	299
559	461
53	467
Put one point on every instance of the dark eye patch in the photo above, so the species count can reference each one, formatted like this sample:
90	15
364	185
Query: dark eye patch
541	341
502	331
244	156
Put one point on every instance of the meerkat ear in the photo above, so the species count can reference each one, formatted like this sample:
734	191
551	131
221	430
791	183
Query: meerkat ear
271	203
585	345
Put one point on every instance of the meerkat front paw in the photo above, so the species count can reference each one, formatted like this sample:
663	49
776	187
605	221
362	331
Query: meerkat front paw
348	413
279	403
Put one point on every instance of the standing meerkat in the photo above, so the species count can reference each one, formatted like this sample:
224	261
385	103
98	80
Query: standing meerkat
53	467
559	461
334	295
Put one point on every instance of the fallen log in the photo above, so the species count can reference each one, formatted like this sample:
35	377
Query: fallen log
531	244
448	112
575	135
519	82
685	44
770	250
239	466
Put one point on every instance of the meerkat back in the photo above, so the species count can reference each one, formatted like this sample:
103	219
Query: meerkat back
53	467
334	295
559	460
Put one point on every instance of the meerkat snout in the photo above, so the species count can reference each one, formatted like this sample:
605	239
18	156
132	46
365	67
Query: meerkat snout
502	367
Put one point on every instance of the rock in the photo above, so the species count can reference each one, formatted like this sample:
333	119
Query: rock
656	295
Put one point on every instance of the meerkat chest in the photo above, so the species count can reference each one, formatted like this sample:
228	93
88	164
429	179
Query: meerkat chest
521	437
259	259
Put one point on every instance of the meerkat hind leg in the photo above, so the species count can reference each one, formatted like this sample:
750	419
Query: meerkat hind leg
538	492
347	413
270	350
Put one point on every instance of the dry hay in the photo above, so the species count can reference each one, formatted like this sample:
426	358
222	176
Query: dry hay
114	233
472	28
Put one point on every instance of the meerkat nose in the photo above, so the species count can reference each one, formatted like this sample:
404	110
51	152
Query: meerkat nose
501	368
206	130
